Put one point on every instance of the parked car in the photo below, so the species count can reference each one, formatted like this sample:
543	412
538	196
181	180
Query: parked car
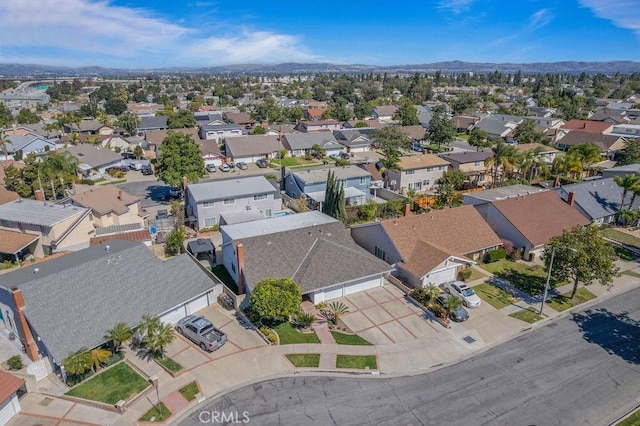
262	163
463	292
242	165
224	168
231	165
147	170
175	192
202	332
457	315
334	156
344	155
211	168
417	147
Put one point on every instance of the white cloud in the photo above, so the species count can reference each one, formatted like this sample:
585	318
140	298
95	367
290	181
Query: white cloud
622	13
455	6
116	35
540	19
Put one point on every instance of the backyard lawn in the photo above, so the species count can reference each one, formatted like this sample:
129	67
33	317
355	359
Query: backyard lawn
563	302
357	361
621	237
190	391
493	295
159	413
110	386
304	360
529	315
349	339
289	335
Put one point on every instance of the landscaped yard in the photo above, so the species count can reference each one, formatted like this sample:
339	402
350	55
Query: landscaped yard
223	275
349	339
475	275
632	420
493	295
289	335
530	279
159	413
190	391
295	161
357	361
529	315
563	302
624	254
169	364
304	360
110	386
621	237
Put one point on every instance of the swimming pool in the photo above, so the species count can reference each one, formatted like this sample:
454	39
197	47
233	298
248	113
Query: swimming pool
282	213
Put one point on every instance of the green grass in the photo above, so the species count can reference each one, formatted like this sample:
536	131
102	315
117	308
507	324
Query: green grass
294	161
357	361
190	391
223	275
349	339
529	315
563	302
169	364
493	295
117	383
289	335
99	180
304	360
155	412
475	275
632	420
530	279
631	274
621	237
624	254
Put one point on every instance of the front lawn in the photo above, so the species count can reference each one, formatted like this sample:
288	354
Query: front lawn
632	420
223	275
304	360
563	302
169	364
190	391
621	237
529	315
295	161
530	279
110	386
159	413
290	336
493	295
357	361
624	253
349	339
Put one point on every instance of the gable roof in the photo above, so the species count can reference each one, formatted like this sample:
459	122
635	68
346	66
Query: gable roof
493	126
602	141
373	171
12	242
20	142
159	122
95	157
465	157
320	175
414	132
541	216
415	162
524	147
252	145
34	212
157	136
10	384
385	110
229	188
239	117
598	198
105	199
587	126
119	284
296	141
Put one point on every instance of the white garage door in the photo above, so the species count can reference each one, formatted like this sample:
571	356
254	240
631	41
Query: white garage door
173	316
8	409
197	304
362	286
441	277
332	292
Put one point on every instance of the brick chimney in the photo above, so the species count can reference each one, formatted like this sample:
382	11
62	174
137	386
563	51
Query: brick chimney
556	181
240	258
29	342
406	210
571	198
39	194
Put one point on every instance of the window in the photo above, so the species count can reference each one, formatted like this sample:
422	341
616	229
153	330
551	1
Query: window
441	168
379	252
228	201
259	197
425	182
343	183
268	213
477	163
363	180
209	222
429	169
233	267
411	172
208	204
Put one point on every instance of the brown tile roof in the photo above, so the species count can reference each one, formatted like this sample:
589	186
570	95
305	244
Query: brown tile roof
457	231
12	242
373	170
540	216
374	124
105	199
208	147
7	196
425	257
315	113
239	117
414	132
10	384
524	147
140	236
587	126
604	142
415	162
157	136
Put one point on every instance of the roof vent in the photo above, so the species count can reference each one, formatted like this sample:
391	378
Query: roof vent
36	270
107	248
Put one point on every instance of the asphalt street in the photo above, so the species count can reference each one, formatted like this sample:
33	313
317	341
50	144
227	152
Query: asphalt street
580	369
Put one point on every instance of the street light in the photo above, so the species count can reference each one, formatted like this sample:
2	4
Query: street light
546	285
154	381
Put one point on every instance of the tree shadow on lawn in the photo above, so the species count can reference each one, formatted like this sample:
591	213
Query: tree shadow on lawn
531	284
616	333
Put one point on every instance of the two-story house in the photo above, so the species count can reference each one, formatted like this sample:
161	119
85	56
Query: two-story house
417	172
472	164
27	144
218	132
318	126
110	206
231	201
311	184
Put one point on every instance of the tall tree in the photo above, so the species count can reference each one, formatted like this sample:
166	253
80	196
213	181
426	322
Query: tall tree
26	116
479	138
526	132
391	141
581	255
503	158
407	114
128	121
464	102
180	157
181	119
6	118
441	127
276	298
334	204
630	154
588	154
628	183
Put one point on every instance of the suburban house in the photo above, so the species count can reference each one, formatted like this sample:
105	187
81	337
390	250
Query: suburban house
499	193
314	114
41	228
586	126
384	112
465	123
66	303
9	403
209	118
210	152
93	160
301	143
110	206
497	127
415	133
417	172
311	248
240	118
531	220
429	248
608	144
251	148
231	201
152	123
621	171
27	144
371	124
627	130
472	164
155	137
547	153
116	141
218	132
354	140
598	199
311	184
318	126
88	127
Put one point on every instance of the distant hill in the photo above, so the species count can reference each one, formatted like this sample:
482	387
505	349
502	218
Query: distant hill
45	71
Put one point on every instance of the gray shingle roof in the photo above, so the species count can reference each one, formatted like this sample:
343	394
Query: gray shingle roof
252	145
273	225
159	122
74	299
95	157
230	188
598	198
466	156
320	175
295	141
492	126
38	212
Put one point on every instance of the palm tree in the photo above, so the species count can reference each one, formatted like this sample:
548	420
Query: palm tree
627	183
121	332
59	166
335	310
3	144
503	157
148	325
432	291
161	336
452	304
78	362
587	153
99	356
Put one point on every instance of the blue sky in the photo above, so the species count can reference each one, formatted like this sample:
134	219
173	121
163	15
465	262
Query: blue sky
165	33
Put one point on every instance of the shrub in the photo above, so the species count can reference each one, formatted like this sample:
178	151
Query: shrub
308	157
15	362
342	162
420	295
213	228
272	338
532	257
495	255
439	311
303	320
465	274
265	330
87	182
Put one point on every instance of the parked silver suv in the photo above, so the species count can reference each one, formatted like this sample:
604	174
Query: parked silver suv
202	332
